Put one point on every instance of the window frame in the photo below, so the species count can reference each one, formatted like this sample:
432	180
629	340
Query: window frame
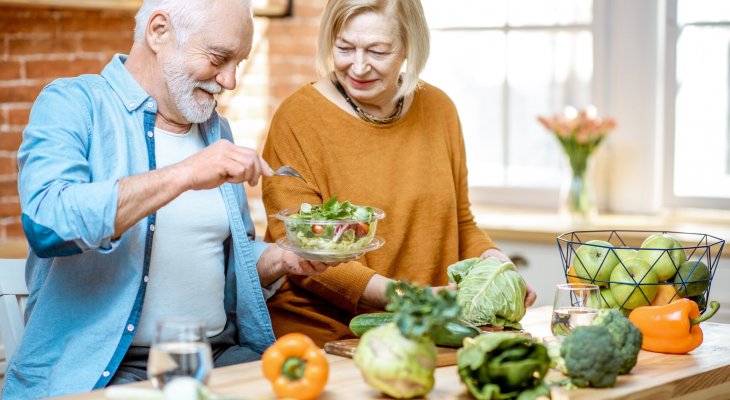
527	196
669	199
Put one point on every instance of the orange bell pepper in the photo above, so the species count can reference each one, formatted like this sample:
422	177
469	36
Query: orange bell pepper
672	328
296	367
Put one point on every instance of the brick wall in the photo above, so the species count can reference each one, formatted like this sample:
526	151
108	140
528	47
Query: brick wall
38	45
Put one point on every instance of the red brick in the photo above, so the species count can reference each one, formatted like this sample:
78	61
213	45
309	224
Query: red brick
20	93
293	47
14	230
61	68
9	188
45	45
18	116
302	9
27	23
9	70
3	116
8	165
10	140
9	209
109	44
98	24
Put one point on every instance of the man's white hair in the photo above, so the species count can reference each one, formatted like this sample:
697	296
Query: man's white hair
187	16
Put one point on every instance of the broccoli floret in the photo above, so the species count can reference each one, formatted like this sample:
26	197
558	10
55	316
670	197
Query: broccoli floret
626	335
591	357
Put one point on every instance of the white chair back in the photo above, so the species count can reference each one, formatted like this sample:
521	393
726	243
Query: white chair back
13	297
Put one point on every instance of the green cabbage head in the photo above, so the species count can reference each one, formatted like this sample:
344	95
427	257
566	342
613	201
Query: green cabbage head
400	367
489	291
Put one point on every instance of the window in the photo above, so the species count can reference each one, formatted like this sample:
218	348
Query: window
661	68
504	63
698	108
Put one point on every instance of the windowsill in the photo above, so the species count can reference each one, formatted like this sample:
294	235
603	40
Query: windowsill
544	226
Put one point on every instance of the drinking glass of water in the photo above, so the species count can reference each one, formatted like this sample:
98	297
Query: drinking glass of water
180	348
575	304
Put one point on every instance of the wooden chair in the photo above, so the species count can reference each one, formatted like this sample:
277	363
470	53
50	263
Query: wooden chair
13	296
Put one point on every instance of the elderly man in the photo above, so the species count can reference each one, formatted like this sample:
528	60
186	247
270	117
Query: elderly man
134	208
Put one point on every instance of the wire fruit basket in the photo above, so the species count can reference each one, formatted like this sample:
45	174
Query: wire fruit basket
668	265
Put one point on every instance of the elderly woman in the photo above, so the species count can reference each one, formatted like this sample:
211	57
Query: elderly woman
369	131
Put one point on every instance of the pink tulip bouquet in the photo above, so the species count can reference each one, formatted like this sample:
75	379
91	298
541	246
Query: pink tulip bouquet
579	133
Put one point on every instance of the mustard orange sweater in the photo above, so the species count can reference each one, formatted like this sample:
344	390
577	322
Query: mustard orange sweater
413	169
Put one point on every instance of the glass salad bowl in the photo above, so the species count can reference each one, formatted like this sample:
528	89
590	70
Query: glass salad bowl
331	232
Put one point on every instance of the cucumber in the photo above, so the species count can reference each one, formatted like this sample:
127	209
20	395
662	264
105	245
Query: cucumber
450	335
453	333
364	322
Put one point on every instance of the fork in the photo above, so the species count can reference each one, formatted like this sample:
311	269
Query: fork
286	170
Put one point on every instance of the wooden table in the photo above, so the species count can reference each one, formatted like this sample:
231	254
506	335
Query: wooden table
704	374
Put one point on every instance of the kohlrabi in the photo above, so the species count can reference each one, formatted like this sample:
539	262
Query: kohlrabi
399	358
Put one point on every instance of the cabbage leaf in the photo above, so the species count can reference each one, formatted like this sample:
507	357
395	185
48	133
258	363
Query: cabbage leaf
489	291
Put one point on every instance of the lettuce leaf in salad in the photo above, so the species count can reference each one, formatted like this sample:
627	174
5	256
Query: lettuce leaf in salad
333	210
352	234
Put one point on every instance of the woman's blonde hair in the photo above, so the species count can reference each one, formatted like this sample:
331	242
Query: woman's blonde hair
412	27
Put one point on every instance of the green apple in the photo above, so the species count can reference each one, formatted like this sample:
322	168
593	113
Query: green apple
625	253
633	284
606	301
664	262
594	261
692	278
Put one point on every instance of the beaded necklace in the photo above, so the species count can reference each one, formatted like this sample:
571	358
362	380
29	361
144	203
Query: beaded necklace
365	116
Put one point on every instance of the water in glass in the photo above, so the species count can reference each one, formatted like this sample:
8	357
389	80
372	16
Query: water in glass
180	348
575	305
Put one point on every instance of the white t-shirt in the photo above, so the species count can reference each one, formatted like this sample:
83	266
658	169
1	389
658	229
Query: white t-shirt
187	272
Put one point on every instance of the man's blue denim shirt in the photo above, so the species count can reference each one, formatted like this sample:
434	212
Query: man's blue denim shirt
86	289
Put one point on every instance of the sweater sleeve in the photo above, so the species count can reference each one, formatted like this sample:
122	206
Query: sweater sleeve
472	240
286	145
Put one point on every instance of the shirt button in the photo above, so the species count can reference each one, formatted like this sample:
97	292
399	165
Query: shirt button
150	104
130	328
146	278
105	374
152	227
130	105
150	134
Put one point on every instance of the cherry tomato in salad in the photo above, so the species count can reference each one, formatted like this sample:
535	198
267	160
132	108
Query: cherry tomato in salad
361	229
317	229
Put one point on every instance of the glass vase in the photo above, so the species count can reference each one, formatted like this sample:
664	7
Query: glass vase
577	197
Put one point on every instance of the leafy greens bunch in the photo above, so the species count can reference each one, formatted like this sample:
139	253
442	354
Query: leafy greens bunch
502	365
399	358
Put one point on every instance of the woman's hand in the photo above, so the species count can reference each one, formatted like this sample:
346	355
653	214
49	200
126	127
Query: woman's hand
450	286
496	253
530	296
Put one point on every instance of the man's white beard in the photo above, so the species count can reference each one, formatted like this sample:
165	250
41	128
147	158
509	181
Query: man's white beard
182	87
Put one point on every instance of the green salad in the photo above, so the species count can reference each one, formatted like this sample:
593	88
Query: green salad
332	226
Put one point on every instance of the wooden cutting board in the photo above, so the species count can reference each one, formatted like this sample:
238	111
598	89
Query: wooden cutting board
444	355
346	348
